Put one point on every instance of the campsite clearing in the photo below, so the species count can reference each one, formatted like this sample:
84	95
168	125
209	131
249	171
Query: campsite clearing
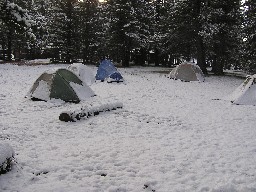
169	136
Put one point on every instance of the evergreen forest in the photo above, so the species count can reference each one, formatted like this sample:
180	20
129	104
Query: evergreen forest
215	33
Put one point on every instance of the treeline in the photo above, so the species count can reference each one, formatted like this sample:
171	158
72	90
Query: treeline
216	33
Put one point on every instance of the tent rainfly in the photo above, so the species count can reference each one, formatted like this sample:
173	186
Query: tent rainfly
59	84
245	94
187	72
107	71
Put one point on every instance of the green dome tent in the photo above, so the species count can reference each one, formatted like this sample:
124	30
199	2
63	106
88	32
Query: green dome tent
59	84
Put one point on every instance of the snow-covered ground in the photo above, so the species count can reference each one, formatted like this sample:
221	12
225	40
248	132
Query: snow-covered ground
169	136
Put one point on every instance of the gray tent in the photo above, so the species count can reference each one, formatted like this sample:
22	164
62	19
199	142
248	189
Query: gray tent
60	84
187	72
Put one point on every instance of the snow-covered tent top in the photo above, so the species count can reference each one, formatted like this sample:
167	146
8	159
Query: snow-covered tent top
245	94
107	70
83	72
60	84
187	72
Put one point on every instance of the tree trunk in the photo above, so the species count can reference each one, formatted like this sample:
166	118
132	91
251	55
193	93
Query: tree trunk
4	50
126	58
201	54
219	50
126	53
9	45
200	50
217	65
142	57
171	61
156	57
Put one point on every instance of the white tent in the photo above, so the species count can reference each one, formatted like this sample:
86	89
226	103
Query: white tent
83	72
187	72
245	94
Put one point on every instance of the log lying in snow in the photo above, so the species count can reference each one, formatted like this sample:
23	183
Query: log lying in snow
6	157
86	112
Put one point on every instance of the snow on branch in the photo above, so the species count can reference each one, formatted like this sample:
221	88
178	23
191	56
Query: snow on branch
19	15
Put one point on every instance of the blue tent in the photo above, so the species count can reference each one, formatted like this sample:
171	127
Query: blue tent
107	70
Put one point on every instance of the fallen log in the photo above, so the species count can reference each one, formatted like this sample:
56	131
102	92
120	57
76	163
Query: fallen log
86	112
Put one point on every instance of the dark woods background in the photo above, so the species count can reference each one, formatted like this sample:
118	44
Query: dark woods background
216	33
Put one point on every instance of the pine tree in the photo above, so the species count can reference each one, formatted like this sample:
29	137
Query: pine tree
88	29
103	28
64	29
185	26
169	40
140	33
16	24
222	25
250	36
39	10
128	30
120	17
